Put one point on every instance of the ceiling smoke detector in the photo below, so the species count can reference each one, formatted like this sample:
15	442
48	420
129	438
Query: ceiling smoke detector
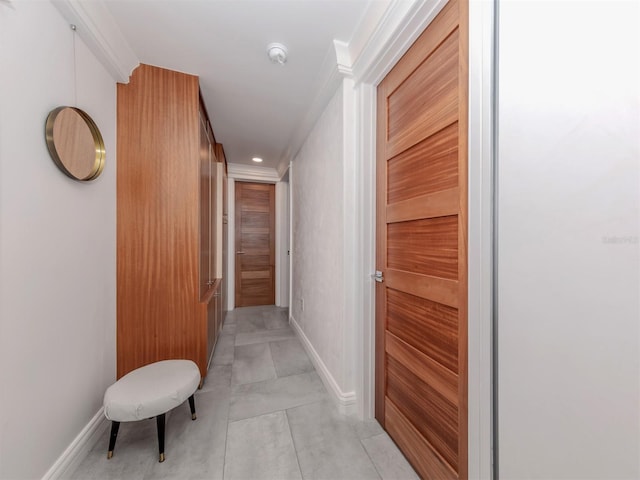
277	53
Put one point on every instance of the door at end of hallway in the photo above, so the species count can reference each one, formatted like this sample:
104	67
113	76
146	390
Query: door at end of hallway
255	244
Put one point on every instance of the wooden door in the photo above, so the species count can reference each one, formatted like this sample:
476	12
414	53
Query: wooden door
255	244
421	304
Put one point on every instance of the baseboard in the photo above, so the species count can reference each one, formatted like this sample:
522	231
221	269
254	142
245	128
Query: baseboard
78	449
346	401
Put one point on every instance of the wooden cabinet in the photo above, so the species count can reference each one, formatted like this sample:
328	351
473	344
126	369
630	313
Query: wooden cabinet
210	191
166	244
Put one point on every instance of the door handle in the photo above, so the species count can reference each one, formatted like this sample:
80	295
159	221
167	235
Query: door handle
239	253
378	277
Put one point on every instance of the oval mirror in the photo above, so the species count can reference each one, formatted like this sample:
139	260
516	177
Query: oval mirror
75	143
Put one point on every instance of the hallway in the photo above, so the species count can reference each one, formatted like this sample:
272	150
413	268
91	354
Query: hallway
263	413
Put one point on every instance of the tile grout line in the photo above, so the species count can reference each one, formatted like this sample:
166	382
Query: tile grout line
370	458
226	437
275	411
293	441
273	364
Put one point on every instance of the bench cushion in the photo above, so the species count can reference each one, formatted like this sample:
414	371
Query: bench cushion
151	390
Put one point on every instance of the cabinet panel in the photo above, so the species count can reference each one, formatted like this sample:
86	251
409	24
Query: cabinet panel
205	207
213	226
164	220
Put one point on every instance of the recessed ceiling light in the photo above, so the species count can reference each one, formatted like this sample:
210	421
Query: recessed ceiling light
257	159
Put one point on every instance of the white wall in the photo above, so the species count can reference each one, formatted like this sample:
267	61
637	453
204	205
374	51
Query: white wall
317	250
57	246
569	261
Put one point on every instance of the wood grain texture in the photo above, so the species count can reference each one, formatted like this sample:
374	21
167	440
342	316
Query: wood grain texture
430	327
430	205
426	246
443	380
381	253
255	238
432	414
421	308
425	124
437	289
158	221
427	462
427	101
429	166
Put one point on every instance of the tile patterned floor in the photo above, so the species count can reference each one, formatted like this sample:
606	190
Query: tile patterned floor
263	413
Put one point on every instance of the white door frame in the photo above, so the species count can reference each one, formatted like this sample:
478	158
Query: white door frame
282	243
245	173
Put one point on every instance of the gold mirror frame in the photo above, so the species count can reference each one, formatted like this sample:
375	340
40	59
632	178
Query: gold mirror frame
95	163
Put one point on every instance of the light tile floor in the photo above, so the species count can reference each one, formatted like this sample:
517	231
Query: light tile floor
263	413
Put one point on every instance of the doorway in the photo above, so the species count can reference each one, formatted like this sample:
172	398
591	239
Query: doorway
254	244
421	294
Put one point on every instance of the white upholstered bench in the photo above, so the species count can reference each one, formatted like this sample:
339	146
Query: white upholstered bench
151	391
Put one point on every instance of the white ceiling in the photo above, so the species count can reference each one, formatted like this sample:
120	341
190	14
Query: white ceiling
256	107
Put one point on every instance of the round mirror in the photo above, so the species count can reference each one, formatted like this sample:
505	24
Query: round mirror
75	143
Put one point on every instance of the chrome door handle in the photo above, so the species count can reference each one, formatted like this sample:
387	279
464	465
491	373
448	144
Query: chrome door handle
239	253
378	276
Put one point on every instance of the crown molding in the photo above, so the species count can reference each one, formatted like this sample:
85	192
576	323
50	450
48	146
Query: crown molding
282	169
97	28
397	29
335	67
343	58
384	34
239	171
330	79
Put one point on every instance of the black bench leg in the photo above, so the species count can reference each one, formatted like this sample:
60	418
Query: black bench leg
160	423
192	406
112	439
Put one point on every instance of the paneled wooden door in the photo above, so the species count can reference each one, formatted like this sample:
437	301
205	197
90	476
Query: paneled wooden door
421	302
255	244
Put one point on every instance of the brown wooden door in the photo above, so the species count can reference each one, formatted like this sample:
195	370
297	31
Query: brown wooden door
255	244
421	305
